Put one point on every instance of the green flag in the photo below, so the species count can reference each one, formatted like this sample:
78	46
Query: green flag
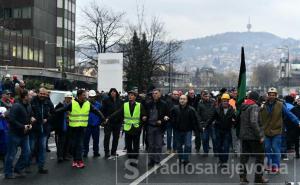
242	80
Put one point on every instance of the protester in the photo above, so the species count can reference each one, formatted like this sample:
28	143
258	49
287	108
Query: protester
205	112
271	115
252	138
184	118
171	134
293	131
19	125
7	101
157	113
60	124
133	113
93	128
111	105
3	133
78	121
42	108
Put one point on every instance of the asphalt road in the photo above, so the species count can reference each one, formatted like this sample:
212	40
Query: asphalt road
98	171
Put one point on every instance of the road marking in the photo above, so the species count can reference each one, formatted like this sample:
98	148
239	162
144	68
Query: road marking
153	169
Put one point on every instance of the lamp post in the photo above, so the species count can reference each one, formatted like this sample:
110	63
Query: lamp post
62	64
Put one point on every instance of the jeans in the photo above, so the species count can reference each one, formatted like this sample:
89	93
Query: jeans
184	144
15	141
223	144
39	140
93	131
272	149
171	136
77	136
155	141
115	131
283	148
208	133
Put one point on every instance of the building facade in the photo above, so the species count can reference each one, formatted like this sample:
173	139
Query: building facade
50	21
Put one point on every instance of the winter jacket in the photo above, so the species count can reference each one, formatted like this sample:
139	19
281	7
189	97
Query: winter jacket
162	110
205	112
41	110
3	135
19	116
223	122
109	107
184	119
59	121
250	125
95	120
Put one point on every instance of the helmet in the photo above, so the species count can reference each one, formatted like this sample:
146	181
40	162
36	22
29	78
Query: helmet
225	96
7	76
272	90
69	95
92	93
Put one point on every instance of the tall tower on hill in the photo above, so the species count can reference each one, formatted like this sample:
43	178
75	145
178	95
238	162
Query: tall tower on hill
249	26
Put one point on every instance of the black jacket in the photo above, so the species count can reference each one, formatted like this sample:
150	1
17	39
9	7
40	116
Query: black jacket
162	110
223	122
193	102
205	111
57	120
109	107
19	116
41	110
184	119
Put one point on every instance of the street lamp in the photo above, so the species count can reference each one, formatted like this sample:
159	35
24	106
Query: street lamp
62	64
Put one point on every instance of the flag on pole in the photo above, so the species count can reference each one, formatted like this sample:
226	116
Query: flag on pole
242	81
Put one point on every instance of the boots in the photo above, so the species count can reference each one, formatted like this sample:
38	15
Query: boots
243	180
259	179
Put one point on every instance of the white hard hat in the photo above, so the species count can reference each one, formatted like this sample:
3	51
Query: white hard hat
69	95
2	110
7	76
272	90
92	93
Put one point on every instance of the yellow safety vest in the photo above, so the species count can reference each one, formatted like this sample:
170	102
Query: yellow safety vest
79	116
134	119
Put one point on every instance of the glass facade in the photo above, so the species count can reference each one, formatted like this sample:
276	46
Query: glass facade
66	33
19	50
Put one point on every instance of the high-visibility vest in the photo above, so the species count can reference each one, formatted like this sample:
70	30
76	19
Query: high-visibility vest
79	116
134	119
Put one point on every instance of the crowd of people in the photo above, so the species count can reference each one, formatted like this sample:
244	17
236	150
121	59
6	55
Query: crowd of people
264	125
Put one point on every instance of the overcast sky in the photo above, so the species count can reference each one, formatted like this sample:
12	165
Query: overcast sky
186	19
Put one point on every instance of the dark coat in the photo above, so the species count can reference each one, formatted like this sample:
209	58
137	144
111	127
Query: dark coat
224	122
109	107
205	111
162	110
184	119
19	116
41	110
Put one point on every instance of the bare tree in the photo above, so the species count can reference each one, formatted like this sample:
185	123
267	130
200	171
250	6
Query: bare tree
101	31
264	75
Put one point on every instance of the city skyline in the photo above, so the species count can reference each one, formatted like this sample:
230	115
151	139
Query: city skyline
203	18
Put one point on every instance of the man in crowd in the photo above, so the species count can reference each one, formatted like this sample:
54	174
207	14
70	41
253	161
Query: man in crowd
42	107
271	115
133	113
110	105
171	135
93	128
252	138
79	110
293	131
7	101
184	118
206	111
19	127
60	123
157	112
224	116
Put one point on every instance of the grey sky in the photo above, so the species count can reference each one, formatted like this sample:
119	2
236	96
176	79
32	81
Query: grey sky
186	19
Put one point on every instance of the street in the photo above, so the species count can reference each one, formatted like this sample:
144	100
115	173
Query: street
202	170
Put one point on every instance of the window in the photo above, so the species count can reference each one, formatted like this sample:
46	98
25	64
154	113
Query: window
7	13
73	8
26	32
5	49
66	4
59	41
14	51
25	53
70	6
26	13
60	4
17	13
30	54
1	13
36	55
59	22
41	56
66	23
19	51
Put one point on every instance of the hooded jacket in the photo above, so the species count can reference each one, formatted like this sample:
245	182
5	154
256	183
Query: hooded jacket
250	126
110	106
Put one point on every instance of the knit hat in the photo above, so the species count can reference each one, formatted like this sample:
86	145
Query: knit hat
253	96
